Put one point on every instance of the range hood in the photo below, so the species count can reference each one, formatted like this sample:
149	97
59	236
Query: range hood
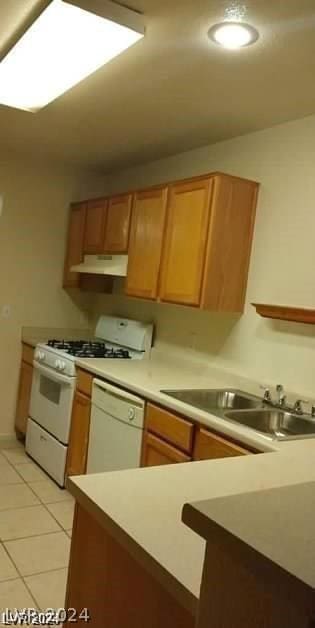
115	265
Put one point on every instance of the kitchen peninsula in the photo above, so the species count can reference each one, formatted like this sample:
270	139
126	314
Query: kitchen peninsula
126	543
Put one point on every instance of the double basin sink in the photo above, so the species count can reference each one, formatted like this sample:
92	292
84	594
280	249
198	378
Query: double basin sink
239	407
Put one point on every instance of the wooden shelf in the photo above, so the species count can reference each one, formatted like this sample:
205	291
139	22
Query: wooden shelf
286	313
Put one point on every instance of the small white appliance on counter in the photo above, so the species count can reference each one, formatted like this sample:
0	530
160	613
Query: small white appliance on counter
54	381
116	426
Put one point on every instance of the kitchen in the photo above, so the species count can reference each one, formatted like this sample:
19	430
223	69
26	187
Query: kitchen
36	196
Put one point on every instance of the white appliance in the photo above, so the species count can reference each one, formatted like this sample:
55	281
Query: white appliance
117	419
54	381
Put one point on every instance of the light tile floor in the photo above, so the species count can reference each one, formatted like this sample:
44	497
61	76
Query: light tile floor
35	530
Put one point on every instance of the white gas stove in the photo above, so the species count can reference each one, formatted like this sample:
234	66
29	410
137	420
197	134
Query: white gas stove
53	384
115	338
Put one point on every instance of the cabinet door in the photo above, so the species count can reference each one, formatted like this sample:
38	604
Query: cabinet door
116	589
79	435
118	224
185	242
157	452
174	429
210	446
95	226
74	253
232	219
24	396
145	245
27	353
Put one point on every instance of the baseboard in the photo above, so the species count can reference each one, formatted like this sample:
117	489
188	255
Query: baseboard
9	440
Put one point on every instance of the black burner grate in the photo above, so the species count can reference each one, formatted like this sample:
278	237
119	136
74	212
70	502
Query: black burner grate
89	349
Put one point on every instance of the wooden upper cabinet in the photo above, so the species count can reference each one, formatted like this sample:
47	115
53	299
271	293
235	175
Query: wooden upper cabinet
145	244
232	219
210	223
74	252
118	224
189	243
95	226
185	241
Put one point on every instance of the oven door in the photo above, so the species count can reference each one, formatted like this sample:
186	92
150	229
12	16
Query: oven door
51	401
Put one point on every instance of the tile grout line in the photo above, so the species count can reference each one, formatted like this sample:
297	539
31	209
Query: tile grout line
39	573
18	572
53	516
32	536
45	479
40	503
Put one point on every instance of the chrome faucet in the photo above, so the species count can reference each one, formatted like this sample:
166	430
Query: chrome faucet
281	402
282	398
267	394
298	406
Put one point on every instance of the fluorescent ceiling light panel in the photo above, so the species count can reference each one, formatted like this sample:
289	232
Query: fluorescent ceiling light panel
61	48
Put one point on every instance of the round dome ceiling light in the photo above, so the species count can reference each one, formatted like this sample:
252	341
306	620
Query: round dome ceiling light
233	35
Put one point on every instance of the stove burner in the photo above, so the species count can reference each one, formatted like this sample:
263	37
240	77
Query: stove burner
89	349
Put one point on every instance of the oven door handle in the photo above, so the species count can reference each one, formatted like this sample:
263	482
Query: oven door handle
51	374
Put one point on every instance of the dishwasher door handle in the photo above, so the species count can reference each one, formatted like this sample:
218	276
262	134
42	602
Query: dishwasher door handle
118	393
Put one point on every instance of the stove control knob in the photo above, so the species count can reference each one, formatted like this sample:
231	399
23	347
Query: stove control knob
131	414
60	365
40	356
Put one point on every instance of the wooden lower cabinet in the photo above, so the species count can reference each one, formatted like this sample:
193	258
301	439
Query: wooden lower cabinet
209	445
24	389
118	592
170	427
84	382
79	435
157	452
169	438
24	397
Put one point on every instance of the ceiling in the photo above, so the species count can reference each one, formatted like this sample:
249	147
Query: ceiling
174	90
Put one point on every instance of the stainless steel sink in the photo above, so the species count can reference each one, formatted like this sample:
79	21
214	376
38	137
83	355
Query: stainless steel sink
212	399
245	409
276	423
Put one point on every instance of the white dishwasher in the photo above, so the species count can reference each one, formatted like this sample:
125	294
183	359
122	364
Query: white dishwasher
116	429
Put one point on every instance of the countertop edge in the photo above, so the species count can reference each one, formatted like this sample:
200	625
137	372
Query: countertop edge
256	561
184	597
236	432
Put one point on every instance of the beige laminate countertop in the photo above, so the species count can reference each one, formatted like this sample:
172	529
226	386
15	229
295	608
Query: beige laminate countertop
279	525
142	508
163	372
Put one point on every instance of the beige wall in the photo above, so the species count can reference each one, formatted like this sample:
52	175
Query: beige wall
32	242
282	268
